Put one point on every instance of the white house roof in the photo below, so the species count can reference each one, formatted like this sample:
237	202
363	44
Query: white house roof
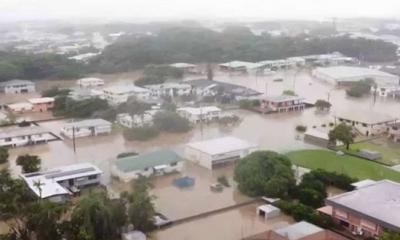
268	208
89	80
238	64
41	100
48	180
344	72
378	202
16	82
298	230
363	183
283	98
168	86
182	65
200	110
20	105
221	145
368	117
125	89
21	131
87	123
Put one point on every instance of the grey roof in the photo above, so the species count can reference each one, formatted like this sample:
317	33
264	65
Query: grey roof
378	202
298	230
368	117
228	87
341	72
283	98
15	82
88	123
21	131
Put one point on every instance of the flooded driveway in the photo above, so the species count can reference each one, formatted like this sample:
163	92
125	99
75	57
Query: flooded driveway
233	225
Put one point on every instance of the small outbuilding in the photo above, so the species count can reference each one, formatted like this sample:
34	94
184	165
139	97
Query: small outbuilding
268	211
219	151
369	154
86	128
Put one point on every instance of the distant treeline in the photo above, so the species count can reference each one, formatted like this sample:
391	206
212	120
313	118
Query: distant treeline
181	44
37	66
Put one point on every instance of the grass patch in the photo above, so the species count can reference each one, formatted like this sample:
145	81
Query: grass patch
390	154
352	166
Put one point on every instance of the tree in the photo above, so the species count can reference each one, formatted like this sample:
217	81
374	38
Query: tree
96	218
3	155
171	122
140	133
55	91
289	93
360	88
322	105
134	107
29	163
141	208
343	133
264	173
389	235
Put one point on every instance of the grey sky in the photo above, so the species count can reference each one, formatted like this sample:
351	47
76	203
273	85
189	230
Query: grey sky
180	9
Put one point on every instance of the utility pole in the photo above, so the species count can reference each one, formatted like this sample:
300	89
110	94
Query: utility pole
73	138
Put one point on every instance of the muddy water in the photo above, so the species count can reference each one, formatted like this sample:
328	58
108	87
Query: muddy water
233	225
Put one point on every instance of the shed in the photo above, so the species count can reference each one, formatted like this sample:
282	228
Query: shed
268	211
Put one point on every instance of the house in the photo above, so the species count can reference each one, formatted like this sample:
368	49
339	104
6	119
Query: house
21	136
131	121
90	82
153	163
21	107
298	231
86	128
268	211
367	211
85	93
317	137
204	87
195	115
366	122
237	66
219	151
283	103
343	75
186	67
43	104
169	89
120	94
134	235
59	184
17	86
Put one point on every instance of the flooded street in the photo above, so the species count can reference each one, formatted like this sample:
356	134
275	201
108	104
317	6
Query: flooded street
233	225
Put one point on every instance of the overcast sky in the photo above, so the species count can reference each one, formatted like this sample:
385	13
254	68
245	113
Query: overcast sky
196	9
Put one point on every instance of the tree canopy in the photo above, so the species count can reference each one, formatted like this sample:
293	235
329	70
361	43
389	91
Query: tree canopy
195	44
321	104
29	163
3	155
343	133
171	122
265	173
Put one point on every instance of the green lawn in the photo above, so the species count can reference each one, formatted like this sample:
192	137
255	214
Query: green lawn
352	166
390	153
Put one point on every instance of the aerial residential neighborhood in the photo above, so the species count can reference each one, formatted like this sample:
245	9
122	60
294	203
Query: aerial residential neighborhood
194	120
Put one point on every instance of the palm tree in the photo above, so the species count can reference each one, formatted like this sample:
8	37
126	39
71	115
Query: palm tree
38	184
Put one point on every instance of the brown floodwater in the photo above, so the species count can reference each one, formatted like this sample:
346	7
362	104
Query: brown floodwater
272	132
233	225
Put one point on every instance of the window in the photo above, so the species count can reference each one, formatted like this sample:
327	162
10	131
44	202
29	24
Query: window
92	177
7	140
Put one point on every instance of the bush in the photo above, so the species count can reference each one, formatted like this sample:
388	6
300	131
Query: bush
360	88
171	122
3	155
140	133
289	93
127	154
248	104
29	163
323	125
331	124
55	91
228	120
301	128
223	180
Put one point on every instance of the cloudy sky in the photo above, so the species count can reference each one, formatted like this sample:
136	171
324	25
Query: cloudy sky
195	9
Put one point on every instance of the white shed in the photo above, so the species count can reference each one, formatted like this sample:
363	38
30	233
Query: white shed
268	211
219	151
